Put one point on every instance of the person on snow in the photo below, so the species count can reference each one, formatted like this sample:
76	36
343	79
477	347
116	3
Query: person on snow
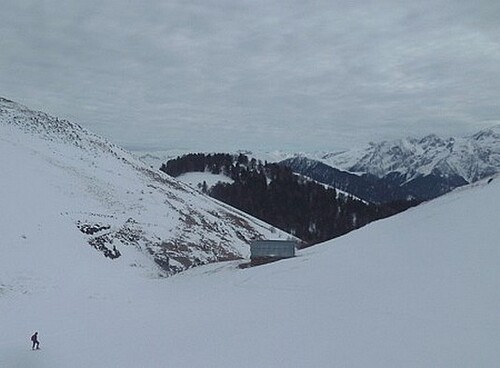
36	343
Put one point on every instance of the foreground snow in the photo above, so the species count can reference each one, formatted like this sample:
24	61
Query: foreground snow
420	289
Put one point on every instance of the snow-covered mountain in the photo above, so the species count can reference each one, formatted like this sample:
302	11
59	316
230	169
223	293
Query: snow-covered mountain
417	168
421	168
420	289
470	158
58	177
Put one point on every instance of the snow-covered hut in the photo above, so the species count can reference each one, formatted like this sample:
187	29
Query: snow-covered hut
263	251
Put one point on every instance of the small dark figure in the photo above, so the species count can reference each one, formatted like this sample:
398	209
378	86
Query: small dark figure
36	343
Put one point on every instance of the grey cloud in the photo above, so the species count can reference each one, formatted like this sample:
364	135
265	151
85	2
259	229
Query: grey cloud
255	74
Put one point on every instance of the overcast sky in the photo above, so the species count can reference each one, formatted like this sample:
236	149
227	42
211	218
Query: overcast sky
230	74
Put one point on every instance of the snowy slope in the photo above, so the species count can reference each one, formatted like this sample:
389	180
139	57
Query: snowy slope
157	158
196	179
57	176
420	289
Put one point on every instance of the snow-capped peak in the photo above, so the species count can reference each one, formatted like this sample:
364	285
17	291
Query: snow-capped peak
492	133
470	158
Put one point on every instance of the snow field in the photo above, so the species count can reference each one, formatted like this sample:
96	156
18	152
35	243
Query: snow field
417	290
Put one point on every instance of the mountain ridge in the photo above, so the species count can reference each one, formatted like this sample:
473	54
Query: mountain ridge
116	201
420	168
472	157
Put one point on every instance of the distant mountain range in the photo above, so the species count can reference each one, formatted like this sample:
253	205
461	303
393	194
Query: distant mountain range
407	168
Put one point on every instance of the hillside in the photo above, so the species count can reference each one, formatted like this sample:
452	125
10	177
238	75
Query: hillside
58	178
273	193
366	186
420	289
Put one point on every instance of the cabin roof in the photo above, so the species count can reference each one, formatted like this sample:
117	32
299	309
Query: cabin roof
273	248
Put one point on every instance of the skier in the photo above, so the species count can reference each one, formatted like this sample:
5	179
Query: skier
36	343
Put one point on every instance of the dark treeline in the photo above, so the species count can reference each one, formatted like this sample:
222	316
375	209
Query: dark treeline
274	194
198	162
